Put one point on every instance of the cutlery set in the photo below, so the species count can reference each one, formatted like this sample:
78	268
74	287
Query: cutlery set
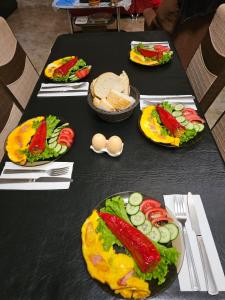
182	216
51	178
66	89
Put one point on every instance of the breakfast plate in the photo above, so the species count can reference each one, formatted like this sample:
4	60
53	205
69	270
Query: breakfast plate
67	69
150	54
138	222
39	140
171	125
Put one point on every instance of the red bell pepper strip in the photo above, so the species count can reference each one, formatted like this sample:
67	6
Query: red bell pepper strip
38	141
64	69
147	52
141	248
175	128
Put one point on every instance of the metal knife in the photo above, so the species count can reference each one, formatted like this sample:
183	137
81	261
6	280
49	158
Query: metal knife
40	179
209	278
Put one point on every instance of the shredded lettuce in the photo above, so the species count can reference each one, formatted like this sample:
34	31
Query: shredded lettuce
116	206
46	154
169	256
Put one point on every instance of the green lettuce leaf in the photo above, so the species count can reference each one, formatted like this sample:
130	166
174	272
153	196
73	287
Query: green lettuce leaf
116	206
107	237
169	256
51	122
188	135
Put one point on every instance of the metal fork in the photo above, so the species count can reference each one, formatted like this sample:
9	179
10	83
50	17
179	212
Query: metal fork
68	86
181	216
50	172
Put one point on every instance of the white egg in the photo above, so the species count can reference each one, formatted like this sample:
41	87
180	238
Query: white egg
99	141
114	145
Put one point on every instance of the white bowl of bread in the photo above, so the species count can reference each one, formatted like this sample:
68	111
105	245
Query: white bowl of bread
112	97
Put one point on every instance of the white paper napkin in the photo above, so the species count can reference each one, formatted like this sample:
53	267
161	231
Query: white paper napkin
187	100
63	90
217	269
37	185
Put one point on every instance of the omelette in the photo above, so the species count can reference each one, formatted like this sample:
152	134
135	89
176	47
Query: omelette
109	267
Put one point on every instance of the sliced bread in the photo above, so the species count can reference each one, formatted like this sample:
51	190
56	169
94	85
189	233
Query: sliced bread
105	82
103	104
119	100
126	83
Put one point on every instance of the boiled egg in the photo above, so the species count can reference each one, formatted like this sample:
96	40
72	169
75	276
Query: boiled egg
99	142
114	145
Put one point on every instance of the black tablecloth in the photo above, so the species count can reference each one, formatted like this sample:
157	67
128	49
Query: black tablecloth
40	244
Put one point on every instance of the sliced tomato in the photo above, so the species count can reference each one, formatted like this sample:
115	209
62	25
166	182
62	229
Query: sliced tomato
161	48
155	213
68	131
156	222
189	110
83	72
65	141
193	117
148	204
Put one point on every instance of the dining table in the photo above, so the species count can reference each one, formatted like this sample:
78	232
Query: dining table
40	231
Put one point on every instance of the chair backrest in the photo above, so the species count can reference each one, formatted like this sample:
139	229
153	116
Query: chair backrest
206	70
16	70
218	132
10	115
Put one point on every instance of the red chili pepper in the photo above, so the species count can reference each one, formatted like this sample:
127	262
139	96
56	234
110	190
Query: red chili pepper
175	128
141	248
38	141
64	69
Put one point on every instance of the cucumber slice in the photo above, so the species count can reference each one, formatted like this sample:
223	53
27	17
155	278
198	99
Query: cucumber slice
52	140
64	125
131	209
196	127
57	130
180	119
177	113
178	107
165	235
138	219
135	199
55	134
184	123
154	234
64	148
52	145
146	227
173	229
58	148
189	126
201	127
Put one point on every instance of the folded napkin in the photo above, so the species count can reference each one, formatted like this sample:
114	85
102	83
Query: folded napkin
212	253
135	43
187	100
37	185
63	89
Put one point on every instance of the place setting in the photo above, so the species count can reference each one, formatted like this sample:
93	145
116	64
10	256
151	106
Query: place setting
169	245
33	148
62	76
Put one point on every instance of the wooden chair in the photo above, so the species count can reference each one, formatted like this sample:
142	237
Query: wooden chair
10	115
16	70
218	132
206	71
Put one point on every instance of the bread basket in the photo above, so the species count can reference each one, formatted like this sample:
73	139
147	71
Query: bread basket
116	116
